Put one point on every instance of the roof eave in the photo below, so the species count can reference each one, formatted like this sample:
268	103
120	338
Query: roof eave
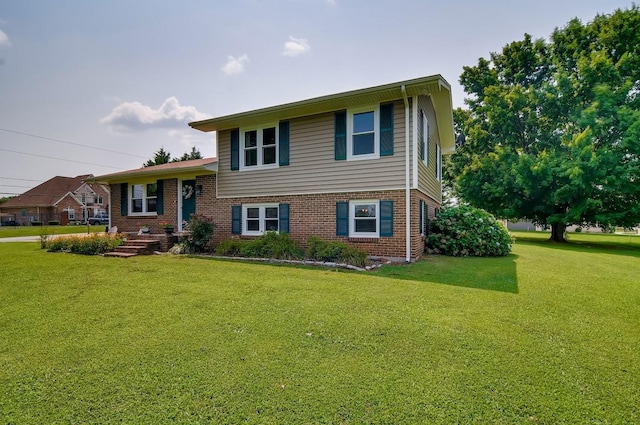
388	92
211	168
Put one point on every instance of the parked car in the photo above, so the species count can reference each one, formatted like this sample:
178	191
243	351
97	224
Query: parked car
104	219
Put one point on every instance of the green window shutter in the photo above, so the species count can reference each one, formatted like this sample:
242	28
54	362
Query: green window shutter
386	129
235	149
160	199
124	199
421	222
421	135
340	132
386	218
342	219
426	219
236	219
283	142
427	142
283	218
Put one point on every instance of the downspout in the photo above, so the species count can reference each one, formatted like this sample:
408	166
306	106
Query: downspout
407	176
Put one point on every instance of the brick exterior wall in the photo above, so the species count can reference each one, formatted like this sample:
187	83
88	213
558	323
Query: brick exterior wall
417	240
131	224
310	215
43	214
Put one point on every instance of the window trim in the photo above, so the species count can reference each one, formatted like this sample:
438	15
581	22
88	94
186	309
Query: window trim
261	218
71	213
144	198
352	219
259	129
376	132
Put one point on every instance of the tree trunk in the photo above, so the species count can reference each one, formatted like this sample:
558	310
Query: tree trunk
557	232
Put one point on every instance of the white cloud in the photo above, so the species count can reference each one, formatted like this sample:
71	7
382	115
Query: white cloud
134	116
4	39
235	65
296	46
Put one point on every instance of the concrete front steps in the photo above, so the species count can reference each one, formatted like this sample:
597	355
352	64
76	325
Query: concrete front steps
133	247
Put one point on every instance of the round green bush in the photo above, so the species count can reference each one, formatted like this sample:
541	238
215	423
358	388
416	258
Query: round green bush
466	231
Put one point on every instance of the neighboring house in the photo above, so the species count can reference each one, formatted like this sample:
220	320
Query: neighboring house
62	199
362	167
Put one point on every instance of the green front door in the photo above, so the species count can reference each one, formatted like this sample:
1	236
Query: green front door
188	199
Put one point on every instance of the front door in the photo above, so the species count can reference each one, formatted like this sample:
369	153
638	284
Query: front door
188	199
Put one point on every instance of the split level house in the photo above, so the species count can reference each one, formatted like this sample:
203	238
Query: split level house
363	167
60	199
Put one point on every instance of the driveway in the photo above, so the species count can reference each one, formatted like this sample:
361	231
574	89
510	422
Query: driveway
37	238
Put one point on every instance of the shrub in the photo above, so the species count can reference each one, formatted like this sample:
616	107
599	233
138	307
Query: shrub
281	246
54	223
272	245
467	231
231	247
86	245
200	233
179	248
36	223
335	251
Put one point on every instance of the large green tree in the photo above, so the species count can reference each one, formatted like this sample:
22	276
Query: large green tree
553	127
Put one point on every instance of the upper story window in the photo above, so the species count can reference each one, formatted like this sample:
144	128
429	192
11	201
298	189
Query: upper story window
144	198
363	133
260	147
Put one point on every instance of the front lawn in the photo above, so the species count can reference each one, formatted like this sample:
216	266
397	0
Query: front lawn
545	335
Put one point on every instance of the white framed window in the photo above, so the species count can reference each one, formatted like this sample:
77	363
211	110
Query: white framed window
259	147
364	218
438	163
143	198
363	133
260	218
71	213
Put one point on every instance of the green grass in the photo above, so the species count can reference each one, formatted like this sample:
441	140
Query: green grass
546	335
597	240
10	232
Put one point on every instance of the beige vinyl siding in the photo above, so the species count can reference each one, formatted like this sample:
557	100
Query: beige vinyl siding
313	168
427	182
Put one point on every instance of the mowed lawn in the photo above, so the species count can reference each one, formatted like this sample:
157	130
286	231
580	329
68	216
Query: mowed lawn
547	335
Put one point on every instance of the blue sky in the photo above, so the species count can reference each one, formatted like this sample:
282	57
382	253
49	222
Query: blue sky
125	76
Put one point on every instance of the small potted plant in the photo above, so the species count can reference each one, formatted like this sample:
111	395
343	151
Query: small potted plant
168	227
143	228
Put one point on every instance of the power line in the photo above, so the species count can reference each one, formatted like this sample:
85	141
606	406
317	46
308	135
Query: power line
13	185
61	159
15	178
70	143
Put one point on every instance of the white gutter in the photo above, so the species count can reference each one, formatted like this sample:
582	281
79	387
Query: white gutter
407	175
